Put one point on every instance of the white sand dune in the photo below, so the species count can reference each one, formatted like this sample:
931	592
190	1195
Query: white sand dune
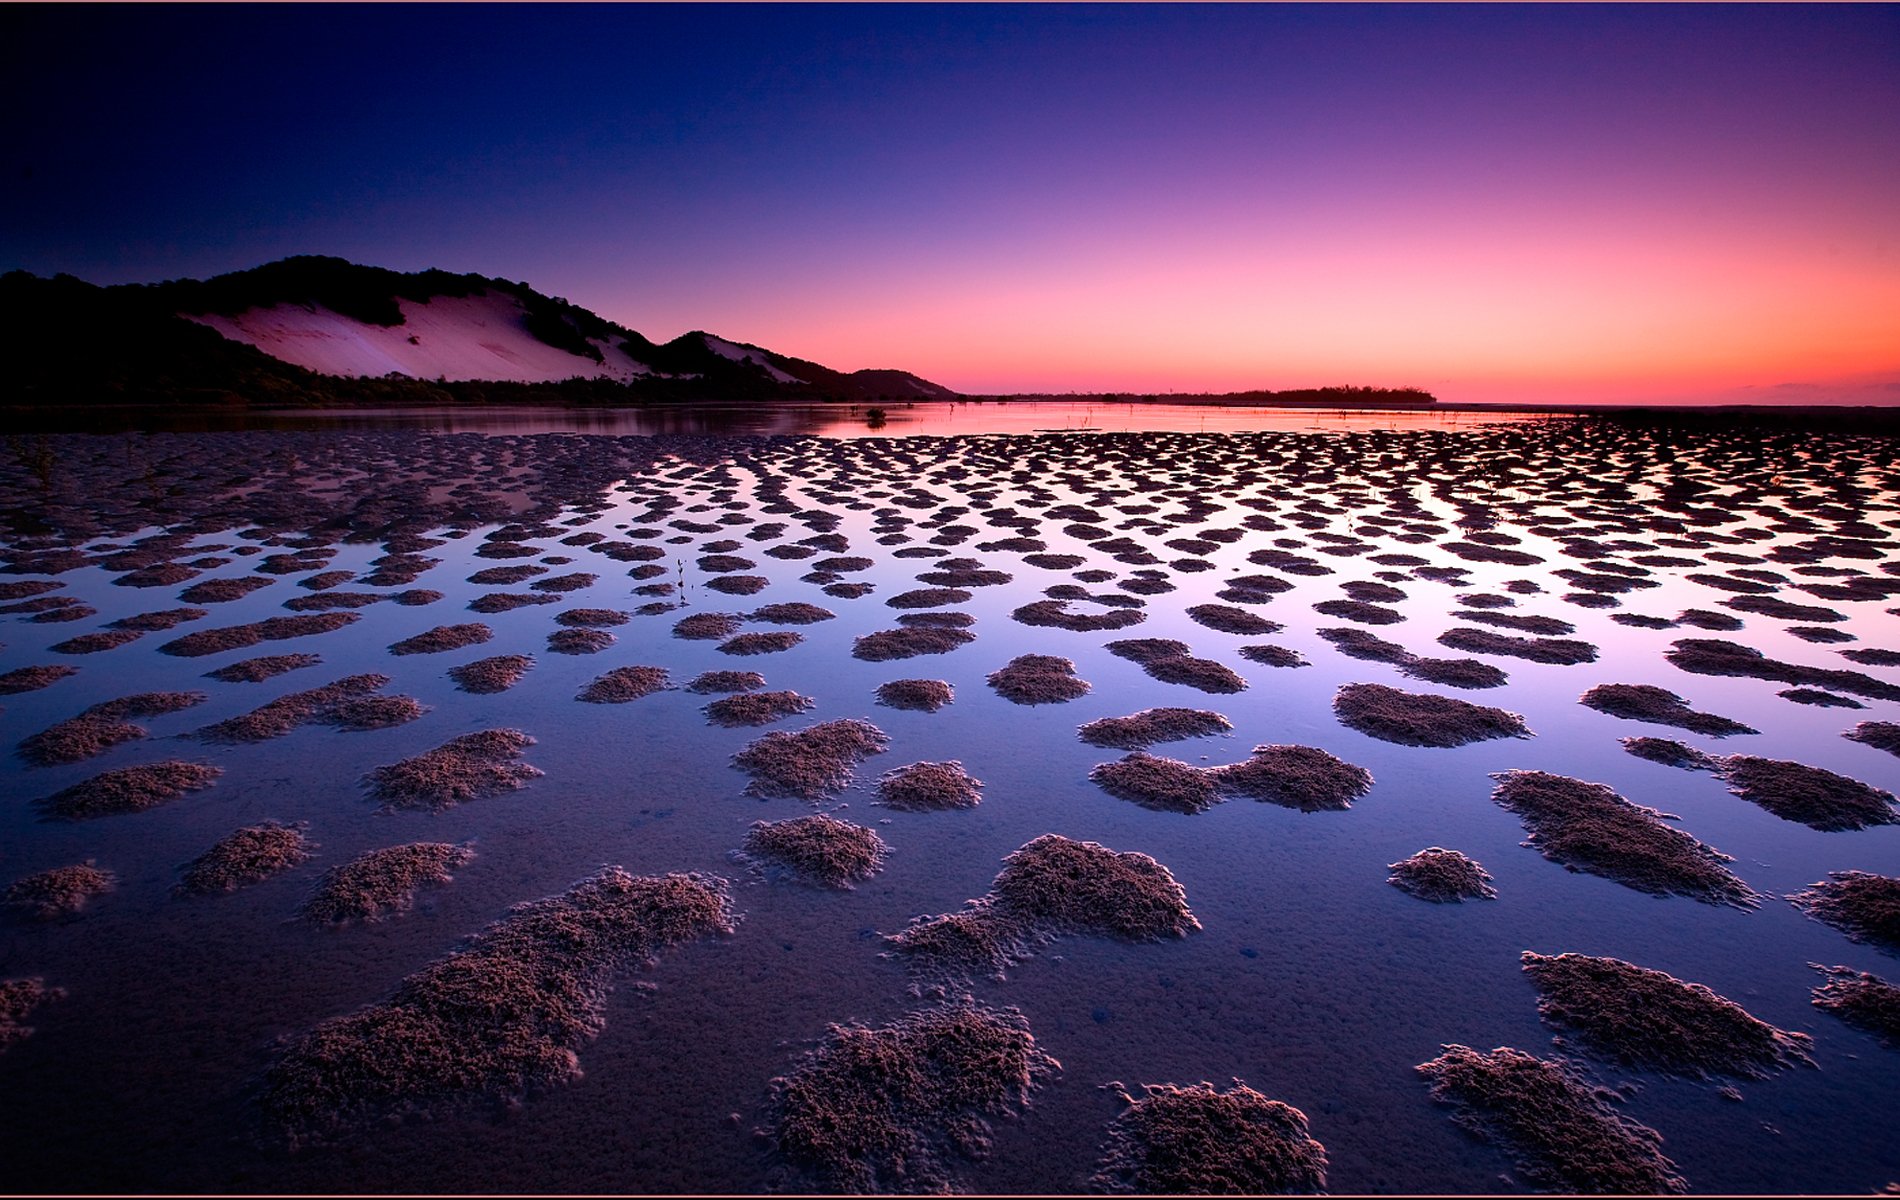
739	353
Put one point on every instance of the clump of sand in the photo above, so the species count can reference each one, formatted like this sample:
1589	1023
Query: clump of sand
622	684
271	629
32	679
909	642
714	682
1588	827
756	708
497	1019
128	790
1165	784
707	627
1200	1141
1558	1128
1817	798
18	1000
1303	777
1038	679
929	787
796	612
342	703
1659	706
1421	719
101	727
591	618
96	643
884	1110
1649	1019
1555	651
1714	656
1228	619
381	883
257	670
917	695
1152	725
811	763
1442	876
579	641
59	892
1862	905
1055	614
244	857
1860	999
487	676
1274	656
465	768
1881	735
820	848
1669	753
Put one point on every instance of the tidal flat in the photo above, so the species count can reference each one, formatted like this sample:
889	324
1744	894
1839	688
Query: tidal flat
616	669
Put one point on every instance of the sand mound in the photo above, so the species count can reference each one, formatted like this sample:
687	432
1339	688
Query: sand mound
128	790
756	708
244	857
1658	706
929	787
1651	1020
1302	777
709	627
1055	614
1588	827
1860	999
908	642
761	643
713	682
622	684
380	883
1274	656
465	768
1669	753
1559	1129
487	676
96	643
795	613
257	670
496	1019
823	849
1228	619
1881	735
1864	906
59	892
32	679
1153	725
1442	876
1812	796
271	629
101	727
1199	1141
929	598
591	618
1165	784
329	704
884	1110
579	641
1714	656
18	999
1421	719
810	763
1038	679
1555	651
917	695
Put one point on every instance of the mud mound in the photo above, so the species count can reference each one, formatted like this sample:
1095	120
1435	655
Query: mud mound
1860	999
1714	656
908	642
708	627
280	716
714	682
101	727
917	695
795	613
929	787
1864	906
1658	706
1442	876
271	629
59	892
1228	619
1421	719
1038	679
1555	651
497	1019
96	643
465	768
487	676
1588	827
1558	1128
32	679
756	708
1055	614
1669	753
1881	735
220	591
1359	610
591	618
1153	725
1199	1141
128	790
747	644
381	883
18	999
1274	656
1147	650
1202	674
810	763
885	1110
153	622
244	857
257	670
579	641
1814	797
1651	1020
1165	784
1302	777
930	598
622	684
823	849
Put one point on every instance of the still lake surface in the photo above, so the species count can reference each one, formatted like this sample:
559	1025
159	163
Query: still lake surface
1311	979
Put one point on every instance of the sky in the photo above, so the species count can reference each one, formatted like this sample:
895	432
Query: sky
1495	202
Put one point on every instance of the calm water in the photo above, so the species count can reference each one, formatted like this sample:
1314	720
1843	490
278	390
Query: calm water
1312	980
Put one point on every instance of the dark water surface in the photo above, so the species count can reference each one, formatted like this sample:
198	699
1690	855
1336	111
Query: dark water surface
1311	979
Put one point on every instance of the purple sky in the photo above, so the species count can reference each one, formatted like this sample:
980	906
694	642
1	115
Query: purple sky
1568	202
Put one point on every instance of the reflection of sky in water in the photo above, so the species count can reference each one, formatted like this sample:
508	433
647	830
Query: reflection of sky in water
1312	980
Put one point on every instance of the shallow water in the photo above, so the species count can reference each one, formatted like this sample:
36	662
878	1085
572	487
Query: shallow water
1311	979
